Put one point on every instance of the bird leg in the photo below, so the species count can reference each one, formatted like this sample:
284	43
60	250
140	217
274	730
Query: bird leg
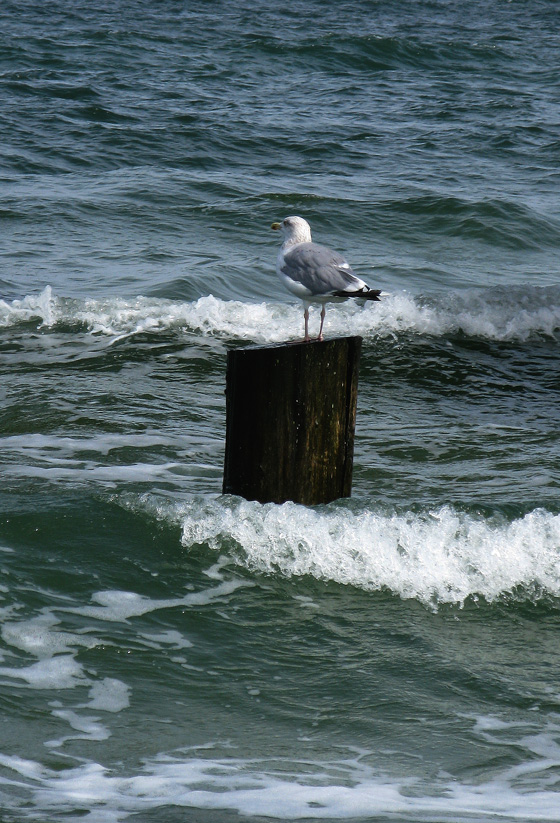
322	321
306	321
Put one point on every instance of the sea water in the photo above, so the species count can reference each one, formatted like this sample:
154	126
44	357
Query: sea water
171	654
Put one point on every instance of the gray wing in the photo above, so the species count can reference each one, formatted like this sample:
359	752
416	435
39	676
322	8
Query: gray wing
319	269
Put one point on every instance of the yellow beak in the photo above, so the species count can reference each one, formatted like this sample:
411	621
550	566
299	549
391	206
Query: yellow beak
276	226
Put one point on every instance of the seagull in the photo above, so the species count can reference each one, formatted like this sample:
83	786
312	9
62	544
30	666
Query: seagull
315	273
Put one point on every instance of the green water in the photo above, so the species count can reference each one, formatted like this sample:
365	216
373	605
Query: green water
170	654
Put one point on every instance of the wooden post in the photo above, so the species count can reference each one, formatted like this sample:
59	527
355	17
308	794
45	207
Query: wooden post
291	413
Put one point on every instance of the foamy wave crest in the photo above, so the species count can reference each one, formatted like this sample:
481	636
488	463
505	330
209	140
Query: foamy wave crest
514	314
118	318
442	556
42	307
494	314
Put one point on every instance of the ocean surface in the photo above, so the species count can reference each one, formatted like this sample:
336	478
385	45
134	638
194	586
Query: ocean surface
172	655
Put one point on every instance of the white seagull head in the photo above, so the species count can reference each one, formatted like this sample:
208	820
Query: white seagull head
295	230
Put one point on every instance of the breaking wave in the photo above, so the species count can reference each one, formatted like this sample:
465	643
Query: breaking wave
438	557
516	314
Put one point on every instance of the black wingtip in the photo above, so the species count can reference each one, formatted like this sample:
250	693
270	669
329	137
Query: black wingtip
362	294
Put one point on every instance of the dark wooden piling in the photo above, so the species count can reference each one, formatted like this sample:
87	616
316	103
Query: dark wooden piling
291	414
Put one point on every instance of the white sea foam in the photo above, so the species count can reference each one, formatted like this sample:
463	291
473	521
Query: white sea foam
440	556
88	728
58	669
43	307
56	666
109	476
40	637
60	672
171	638
120	606
284	790
58	459
515	314
109	695
34	445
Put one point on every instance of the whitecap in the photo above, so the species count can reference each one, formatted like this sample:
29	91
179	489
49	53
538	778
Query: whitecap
438	556
44	307
514	314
